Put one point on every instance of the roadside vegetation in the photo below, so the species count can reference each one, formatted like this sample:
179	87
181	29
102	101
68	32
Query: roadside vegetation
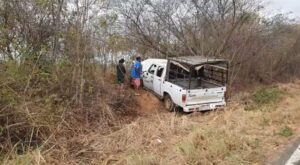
232	136
264	98
58	98
267	95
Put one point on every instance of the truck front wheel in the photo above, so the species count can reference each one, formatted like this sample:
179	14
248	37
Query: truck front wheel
168	103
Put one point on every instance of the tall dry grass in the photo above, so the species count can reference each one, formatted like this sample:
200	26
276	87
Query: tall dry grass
233	136
109	130
39	113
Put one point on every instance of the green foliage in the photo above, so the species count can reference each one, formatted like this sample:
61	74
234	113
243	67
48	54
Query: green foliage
8	97
108	20
264	99
42	3
103	23
64	63
285	131
267	95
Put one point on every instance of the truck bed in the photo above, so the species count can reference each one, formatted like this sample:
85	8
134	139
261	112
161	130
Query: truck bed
195	83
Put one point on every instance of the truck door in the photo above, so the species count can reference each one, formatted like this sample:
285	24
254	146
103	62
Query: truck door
148	76
157	80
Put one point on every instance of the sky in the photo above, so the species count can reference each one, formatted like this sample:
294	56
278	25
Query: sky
284	6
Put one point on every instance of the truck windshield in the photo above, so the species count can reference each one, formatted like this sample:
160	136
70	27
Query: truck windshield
207	75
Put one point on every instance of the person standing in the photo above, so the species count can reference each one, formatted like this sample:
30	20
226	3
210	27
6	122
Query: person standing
130	73
136	72
121	72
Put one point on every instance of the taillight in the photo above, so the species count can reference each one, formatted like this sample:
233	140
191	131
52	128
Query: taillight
225	95
183	98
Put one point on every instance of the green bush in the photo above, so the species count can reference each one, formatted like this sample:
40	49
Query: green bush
264	98
286	131
267	95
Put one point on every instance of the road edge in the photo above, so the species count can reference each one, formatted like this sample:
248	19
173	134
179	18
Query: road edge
288	153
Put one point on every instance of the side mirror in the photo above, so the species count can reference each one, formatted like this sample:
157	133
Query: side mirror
145	73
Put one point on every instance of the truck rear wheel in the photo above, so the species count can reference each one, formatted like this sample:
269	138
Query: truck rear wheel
168	103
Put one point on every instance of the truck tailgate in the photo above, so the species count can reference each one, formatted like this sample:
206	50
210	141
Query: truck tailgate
205	96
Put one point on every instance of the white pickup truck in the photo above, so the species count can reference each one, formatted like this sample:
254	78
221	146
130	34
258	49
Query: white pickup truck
194	83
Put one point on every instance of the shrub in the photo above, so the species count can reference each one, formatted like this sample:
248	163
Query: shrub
264	98
48	105
267	95
285	131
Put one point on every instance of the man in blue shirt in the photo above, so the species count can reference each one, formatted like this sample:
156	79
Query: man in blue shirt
136	72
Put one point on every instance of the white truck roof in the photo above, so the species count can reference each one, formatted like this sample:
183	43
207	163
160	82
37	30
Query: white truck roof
147	63
196	60
190	60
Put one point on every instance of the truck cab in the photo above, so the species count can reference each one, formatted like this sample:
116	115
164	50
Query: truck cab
194	83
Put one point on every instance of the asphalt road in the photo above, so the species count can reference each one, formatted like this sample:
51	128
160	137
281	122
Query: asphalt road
291	156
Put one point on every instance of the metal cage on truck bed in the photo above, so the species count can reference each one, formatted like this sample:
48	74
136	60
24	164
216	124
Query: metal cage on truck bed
193	72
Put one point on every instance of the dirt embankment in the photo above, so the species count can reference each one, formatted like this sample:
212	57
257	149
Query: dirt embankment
148	103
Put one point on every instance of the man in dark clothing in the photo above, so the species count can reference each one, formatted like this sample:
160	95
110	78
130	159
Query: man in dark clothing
121	72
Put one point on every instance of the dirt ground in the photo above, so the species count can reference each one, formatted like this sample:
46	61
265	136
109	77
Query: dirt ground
148	103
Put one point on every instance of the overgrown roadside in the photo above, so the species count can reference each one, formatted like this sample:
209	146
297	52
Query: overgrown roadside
59	102
236	135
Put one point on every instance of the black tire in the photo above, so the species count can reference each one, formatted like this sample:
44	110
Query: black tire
168	103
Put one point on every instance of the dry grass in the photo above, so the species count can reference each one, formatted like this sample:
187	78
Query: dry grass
231	136
34	157
244	137
51	123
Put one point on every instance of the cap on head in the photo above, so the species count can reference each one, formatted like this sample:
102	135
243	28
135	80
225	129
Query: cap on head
138	58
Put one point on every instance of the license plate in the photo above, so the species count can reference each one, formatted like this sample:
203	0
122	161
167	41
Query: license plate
205	106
